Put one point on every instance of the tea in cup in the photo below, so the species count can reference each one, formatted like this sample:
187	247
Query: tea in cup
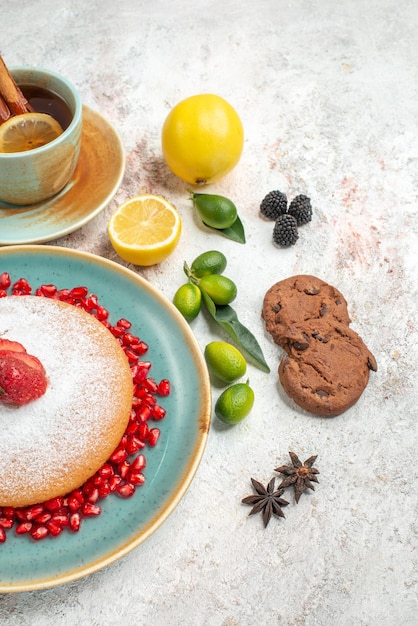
34	175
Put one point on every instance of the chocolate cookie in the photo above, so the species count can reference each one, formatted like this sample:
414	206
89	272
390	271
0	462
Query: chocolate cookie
328	372
291	303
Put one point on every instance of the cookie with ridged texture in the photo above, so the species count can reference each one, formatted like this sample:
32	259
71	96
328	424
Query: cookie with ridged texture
329	372
292	302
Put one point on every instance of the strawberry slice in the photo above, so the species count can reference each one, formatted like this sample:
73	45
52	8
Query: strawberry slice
29	359
15	346
19	382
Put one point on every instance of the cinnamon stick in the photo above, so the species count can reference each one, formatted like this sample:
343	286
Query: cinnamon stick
11	93
4	111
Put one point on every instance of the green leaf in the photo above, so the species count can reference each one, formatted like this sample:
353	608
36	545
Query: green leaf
227	318
235	232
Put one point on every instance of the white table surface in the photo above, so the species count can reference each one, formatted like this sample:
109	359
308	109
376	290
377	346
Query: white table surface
327	92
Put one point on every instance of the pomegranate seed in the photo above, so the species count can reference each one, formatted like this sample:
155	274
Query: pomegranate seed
79	292
6	523
38	532
5	281
102	314
54	504
126	490
143	413
140	375
64	294
8	512
53	528
123	323
43	517
153	436
75	522
130	355
119	455
143	430
114	482
23	528
104	490
132	427
60	519
117	332
106	470
123	469
141	347
74	503
2	535
92	496
148	398
136	478
98	480
134	444
164	387
129	339
48	290
158	413
150	384
32	512
3	293
22	286
90	509
138	463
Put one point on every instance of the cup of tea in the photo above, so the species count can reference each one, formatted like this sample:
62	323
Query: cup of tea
35	175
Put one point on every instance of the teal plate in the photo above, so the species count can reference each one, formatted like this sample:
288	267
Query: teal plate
124	524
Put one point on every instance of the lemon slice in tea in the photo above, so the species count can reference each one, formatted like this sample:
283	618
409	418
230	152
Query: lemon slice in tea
145	230
28	131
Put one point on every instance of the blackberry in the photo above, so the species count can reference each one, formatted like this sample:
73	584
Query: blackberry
285	232
301	209
274	204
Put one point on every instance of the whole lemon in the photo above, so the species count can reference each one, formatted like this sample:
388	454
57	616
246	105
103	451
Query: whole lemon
225	362
202	139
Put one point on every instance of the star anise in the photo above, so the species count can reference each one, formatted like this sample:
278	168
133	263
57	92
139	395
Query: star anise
266	500
298	475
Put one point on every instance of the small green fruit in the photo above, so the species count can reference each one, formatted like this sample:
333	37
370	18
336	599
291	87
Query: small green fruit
235	403
211	262
215	211
188	300
220	289
224	361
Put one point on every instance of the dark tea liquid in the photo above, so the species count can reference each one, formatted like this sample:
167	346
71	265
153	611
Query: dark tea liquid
45	101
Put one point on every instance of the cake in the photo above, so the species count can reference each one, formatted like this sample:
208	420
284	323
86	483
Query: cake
52	445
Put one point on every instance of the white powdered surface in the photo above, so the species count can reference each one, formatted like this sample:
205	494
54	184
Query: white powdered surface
42	441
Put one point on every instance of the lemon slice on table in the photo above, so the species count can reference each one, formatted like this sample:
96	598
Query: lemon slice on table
145	230
28	131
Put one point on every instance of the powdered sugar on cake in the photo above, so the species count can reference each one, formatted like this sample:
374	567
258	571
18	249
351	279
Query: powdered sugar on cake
44	440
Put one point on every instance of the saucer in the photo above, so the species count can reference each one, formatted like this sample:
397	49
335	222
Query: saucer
98	174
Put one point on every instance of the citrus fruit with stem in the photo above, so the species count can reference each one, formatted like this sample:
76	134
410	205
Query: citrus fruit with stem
188	300
145	230
220	289
202	139
28	131
210	262
235	403
215	211
225	362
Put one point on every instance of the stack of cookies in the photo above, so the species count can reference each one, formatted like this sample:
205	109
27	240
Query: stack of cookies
326	364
